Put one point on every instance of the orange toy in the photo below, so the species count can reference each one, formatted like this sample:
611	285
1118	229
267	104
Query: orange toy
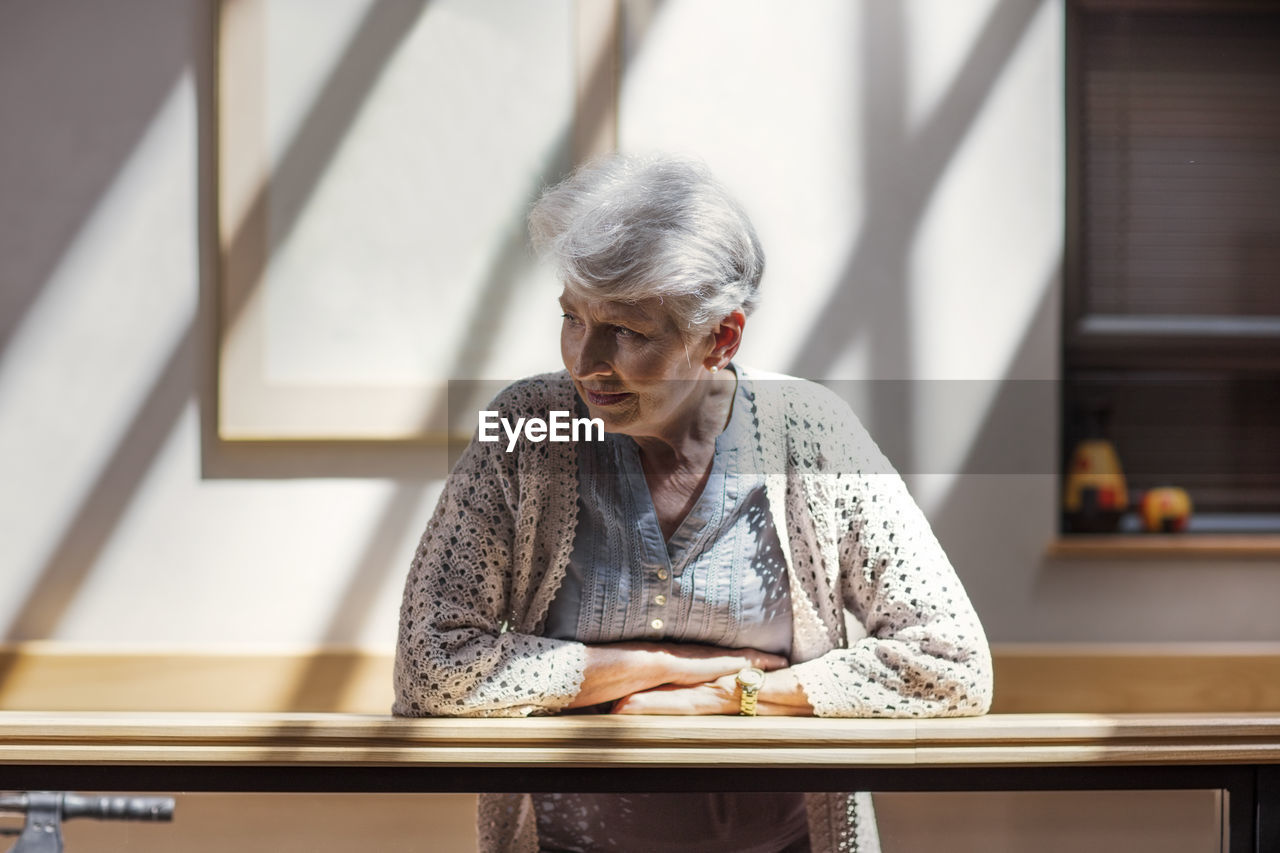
1166	510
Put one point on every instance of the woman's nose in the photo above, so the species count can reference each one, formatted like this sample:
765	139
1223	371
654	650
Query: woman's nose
591	356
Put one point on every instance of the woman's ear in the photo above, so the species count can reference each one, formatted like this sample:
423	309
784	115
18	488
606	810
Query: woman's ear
726	338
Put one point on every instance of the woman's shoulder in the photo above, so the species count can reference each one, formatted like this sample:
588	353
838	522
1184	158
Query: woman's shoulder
799	400
497	446
816	420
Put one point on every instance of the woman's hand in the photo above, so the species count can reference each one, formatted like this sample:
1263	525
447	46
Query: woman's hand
712	697
780	695
615	670
696	665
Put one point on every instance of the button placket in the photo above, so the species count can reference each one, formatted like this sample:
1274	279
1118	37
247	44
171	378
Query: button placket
656	593
657	599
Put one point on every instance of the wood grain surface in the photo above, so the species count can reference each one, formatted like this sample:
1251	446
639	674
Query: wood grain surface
583	741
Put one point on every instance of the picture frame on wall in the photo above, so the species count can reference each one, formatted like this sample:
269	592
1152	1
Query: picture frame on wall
374	168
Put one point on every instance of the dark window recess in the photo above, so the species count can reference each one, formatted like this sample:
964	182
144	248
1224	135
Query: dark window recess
1172	296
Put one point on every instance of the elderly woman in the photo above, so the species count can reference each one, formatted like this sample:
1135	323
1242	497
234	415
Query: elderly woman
735	545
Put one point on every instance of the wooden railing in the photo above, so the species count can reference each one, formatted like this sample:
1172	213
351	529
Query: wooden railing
145	719
127	751
584	741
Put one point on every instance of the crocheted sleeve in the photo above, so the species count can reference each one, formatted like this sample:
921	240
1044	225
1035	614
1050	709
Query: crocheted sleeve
924	652
456	654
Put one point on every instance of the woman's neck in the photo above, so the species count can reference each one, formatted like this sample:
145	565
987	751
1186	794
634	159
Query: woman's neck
690	443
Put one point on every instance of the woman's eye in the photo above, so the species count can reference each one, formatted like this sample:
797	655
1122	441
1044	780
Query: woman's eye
623	331
569	318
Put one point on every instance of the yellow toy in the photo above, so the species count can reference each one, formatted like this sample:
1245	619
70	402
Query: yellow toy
1166	510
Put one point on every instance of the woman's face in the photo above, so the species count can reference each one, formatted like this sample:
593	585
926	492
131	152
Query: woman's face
630	363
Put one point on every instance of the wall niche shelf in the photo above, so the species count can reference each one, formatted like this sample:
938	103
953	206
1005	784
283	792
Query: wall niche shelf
1189	546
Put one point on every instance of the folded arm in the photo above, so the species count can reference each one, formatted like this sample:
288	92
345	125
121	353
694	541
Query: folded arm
620	670
925	652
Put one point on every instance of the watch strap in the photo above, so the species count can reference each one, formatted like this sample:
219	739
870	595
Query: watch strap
749	693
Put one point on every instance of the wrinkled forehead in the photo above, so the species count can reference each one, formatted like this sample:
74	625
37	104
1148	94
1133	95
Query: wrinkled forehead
649	311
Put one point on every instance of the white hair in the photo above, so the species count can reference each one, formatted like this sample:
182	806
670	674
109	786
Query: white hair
630	228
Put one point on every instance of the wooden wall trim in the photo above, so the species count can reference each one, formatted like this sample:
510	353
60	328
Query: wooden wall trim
1036	678
57	676
1030	678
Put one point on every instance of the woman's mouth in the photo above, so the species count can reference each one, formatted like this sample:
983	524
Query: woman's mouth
602	398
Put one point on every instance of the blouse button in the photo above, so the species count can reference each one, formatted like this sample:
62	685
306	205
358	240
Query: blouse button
656	624
662	574
659	600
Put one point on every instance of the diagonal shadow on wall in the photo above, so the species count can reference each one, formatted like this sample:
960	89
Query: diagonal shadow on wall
916	164
902	171
100	511
884	272
63	143
1016	441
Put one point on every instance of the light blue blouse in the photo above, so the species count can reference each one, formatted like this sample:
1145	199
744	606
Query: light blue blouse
720	580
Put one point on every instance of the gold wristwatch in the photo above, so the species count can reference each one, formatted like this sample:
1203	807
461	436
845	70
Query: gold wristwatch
749	681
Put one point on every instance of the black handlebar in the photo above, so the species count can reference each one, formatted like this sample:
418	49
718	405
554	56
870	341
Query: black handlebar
46	810
100	808
117	808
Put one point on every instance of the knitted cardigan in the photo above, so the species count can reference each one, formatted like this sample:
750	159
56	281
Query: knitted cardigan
881	624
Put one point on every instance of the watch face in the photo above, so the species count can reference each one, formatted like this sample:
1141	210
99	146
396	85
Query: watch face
751	677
